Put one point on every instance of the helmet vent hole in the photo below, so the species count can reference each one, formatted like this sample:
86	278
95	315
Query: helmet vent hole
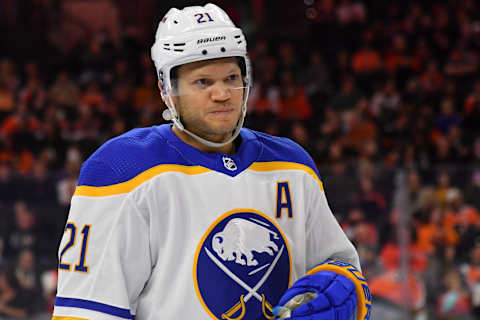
222	49
238	42
204	52
237	36
175	21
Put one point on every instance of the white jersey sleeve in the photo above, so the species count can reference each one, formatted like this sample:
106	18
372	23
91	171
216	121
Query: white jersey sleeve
104	261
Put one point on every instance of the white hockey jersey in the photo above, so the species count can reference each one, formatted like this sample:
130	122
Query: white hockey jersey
160	230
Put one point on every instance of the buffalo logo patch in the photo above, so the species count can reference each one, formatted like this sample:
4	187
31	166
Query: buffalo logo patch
242	266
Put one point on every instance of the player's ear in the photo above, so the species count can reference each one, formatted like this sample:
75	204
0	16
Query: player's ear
159	83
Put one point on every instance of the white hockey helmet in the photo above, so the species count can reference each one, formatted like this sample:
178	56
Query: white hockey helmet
193	34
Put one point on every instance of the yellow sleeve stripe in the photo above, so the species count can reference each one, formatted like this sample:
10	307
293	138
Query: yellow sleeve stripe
281	165
364	297
67	318
131	184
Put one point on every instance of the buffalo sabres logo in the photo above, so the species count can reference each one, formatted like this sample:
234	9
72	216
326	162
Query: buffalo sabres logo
242	266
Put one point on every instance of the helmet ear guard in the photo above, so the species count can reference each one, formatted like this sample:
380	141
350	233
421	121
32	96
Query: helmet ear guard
195	34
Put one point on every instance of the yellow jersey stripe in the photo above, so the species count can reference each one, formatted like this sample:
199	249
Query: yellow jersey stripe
282	165
131	184
67	318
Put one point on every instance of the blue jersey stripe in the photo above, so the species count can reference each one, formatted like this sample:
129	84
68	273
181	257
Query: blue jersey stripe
127	156
95	306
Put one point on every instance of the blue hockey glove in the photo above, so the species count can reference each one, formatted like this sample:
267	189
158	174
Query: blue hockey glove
333	290
335	299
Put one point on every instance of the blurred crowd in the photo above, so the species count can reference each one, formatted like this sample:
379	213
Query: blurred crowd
384	95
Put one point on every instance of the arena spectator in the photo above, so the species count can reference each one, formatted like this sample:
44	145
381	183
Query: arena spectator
347	97
316	79
472	191
398	62
431	80
27	278
471	274
288	61
24	232
147	92
339	186
64	92
385	103
437	234
13	303
358	130
7	99
9	185
294	102
454	302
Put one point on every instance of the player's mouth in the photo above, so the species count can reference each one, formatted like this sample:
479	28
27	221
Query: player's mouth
222	112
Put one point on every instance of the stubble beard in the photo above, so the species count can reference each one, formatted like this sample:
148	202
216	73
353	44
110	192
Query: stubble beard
202	128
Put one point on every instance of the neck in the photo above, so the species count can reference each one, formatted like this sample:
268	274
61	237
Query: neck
226	149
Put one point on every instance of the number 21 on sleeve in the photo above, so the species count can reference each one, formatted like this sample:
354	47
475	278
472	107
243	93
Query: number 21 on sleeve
81	265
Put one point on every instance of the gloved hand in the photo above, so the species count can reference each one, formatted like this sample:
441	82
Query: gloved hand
333	290
334	298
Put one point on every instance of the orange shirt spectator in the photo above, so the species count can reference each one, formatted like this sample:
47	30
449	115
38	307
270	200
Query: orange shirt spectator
294	102
466	216
93	96
15	122
397	57
430	236
7	99
24	161
295	105
366	60
360	130
390	257
436	232
408	293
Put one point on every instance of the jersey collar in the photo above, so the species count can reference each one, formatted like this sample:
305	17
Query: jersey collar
232	165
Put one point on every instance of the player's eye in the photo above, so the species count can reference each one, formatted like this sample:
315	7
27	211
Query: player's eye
233	77
202	82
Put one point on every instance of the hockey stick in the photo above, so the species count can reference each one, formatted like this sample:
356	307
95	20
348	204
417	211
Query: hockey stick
251	291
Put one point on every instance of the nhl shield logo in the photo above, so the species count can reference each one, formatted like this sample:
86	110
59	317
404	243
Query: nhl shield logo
242	266
229	163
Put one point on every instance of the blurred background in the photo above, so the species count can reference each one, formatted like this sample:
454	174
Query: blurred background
385	95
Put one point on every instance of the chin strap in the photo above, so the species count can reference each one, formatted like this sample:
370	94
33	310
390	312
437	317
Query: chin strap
171	114
216	144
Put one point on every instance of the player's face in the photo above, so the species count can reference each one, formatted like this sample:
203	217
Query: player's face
209	97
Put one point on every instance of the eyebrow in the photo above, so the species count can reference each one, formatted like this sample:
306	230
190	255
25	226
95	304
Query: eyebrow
204	75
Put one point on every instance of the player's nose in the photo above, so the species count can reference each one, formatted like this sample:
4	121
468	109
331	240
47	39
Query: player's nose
220	92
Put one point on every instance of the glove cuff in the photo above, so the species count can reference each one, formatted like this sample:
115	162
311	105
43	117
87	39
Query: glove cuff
364	297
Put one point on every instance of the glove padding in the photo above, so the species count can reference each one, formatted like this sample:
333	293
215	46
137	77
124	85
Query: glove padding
336	297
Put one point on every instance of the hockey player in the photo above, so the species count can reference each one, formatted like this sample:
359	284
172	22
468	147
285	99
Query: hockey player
204	219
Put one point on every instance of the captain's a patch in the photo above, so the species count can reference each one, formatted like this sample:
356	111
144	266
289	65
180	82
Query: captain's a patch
242	266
